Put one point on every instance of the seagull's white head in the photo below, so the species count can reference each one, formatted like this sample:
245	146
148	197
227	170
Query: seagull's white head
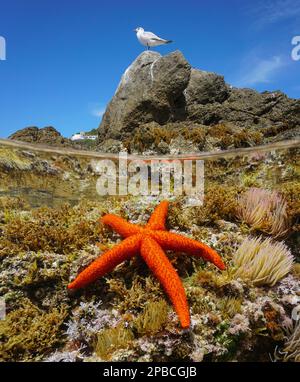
139	29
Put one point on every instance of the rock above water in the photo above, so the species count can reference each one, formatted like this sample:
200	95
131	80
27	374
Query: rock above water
47	135
205	87
166	91
151	89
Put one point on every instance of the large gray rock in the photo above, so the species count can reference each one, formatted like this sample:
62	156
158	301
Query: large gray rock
151	89
205	87
160	92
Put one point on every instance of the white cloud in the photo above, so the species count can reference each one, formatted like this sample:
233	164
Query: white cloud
97	109
272	11
259	71
98	112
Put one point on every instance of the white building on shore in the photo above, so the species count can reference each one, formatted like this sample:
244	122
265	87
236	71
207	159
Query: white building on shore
82	136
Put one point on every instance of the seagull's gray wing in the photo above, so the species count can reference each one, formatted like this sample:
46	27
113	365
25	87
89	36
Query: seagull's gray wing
152	36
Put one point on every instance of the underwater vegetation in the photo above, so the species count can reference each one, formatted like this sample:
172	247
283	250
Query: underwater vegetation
28	332
149	322
58	235
243	313
10	160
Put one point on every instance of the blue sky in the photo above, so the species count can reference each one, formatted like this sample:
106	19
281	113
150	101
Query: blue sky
65	58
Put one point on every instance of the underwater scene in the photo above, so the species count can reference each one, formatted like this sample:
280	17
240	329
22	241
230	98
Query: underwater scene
225	287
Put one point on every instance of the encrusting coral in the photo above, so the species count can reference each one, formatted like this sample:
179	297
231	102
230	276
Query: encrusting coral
262	262
151	242
264	210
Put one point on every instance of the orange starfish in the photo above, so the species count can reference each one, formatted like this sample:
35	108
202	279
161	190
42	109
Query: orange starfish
150	241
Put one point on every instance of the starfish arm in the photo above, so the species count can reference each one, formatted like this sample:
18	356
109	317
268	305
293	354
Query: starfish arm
158	217
176	242
120	225
160	265
107	262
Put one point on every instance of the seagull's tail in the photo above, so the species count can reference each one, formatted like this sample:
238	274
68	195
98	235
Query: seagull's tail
168	41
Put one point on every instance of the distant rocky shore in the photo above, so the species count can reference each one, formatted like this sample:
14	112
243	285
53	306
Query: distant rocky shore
46	135
49	136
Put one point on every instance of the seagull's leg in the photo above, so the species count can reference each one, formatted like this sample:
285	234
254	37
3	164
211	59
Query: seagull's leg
148	47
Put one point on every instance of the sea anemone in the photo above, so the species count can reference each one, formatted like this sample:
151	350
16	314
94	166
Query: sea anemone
291	349
262	262
264	210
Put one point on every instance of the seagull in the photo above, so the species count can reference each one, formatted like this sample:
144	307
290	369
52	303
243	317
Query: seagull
149	39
